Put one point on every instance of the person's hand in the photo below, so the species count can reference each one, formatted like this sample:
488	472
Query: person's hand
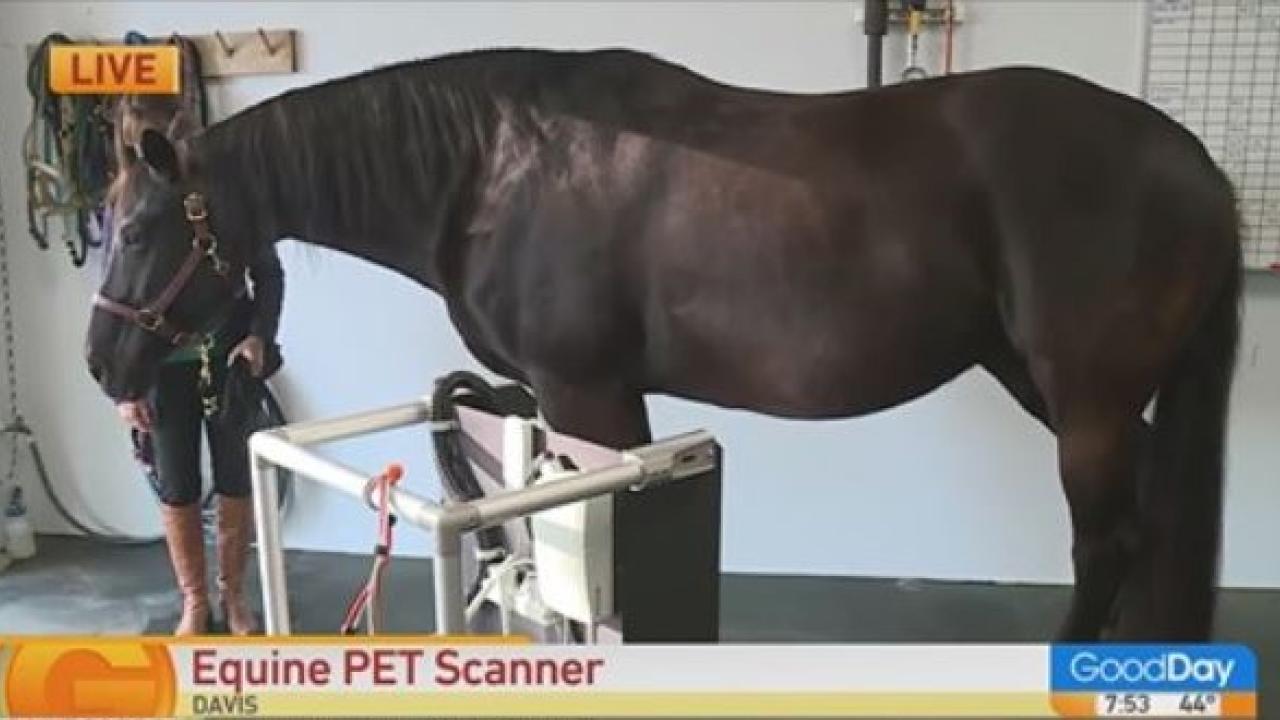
137	413
254	352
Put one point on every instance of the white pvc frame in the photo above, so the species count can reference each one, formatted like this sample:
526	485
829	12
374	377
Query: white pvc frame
683	456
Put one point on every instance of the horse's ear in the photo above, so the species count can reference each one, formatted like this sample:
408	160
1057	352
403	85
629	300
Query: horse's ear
159	154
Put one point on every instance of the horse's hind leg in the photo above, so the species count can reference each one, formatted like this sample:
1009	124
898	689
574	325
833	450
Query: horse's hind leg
1099	464
1098	458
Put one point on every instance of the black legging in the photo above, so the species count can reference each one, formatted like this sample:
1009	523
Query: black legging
175	437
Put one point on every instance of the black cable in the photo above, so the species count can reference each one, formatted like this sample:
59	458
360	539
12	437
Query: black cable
467	388
451	457
64	512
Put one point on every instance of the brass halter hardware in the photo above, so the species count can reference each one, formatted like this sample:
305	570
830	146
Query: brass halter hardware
198	217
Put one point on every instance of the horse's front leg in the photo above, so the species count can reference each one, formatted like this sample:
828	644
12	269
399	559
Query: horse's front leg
666	548
604	413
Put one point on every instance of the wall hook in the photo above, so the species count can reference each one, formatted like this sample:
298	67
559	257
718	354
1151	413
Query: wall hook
252	51
266	43
227	47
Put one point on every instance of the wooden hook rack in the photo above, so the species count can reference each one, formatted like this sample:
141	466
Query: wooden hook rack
253	52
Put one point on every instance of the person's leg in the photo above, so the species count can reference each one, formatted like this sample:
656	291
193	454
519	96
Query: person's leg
175	436
229	449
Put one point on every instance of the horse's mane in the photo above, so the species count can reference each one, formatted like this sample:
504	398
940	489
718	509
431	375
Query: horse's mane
379	141
362	144
528	77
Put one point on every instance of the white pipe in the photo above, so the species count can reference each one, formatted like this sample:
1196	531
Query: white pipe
268	445
446	567
363	423
675	458
266	513
495	509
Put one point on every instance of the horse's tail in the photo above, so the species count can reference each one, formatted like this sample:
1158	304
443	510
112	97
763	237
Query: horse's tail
1181	495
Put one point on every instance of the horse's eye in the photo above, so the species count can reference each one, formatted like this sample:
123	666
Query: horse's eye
129	235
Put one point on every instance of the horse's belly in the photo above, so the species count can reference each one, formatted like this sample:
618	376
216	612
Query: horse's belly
816	360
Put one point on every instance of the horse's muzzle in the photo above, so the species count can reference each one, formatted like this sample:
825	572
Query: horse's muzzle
97	370
106	380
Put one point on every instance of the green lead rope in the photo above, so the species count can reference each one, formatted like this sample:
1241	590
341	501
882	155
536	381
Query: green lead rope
206	352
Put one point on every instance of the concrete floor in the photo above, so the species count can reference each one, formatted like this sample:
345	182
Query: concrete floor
78	586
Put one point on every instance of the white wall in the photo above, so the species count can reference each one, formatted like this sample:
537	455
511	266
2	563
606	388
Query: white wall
957	485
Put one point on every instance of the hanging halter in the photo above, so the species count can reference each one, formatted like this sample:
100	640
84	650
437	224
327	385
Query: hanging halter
151	316
67	154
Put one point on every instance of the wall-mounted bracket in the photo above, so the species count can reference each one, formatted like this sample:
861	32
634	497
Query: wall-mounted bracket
935	13
255	52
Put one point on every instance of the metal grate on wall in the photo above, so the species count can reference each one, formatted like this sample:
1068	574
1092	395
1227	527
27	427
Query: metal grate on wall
1214	65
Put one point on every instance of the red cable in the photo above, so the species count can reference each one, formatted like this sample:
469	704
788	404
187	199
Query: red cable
353	611
369	592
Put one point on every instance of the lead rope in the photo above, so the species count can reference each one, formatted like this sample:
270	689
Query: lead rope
208	393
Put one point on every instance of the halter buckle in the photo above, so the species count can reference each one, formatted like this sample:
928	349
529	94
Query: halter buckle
196	210
207	243
149	319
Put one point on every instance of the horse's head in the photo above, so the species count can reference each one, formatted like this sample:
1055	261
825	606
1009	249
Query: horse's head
167	277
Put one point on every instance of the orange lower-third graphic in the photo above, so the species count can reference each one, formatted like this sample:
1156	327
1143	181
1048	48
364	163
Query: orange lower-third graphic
89	678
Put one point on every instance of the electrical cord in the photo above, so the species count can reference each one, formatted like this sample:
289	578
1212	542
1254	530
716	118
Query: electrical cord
451	458
496	575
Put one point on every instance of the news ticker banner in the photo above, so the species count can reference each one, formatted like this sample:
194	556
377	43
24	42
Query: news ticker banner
504	677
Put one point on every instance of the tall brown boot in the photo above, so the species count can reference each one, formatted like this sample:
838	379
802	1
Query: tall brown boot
185	537
235	527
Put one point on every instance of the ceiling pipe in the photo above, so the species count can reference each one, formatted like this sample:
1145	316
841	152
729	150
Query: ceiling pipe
875	23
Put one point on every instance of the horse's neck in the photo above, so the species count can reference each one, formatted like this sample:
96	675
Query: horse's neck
300	177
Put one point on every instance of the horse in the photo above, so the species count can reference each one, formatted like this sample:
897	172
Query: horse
604	225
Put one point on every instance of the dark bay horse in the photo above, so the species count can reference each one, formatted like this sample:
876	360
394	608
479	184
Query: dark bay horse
604	225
